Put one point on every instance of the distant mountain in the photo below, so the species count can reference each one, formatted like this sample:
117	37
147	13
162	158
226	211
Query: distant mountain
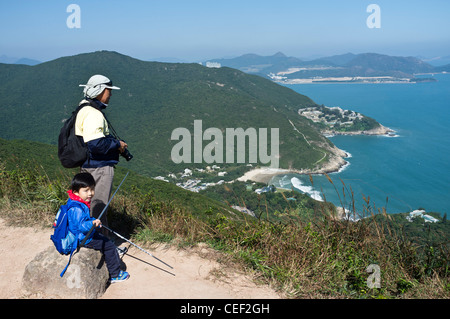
379	64
156	98
11	60
27	61
345	65
256	64
443	68
337	60
437	61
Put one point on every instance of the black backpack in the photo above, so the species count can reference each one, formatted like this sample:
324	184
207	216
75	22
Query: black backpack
72	151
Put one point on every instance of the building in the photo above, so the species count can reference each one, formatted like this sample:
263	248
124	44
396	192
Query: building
213	65
421	214
266	189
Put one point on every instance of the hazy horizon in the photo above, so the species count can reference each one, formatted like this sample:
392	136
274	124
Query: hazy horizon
200	30
433	60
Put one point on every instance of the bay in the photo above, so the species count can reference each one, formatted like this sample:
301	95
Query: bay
402	173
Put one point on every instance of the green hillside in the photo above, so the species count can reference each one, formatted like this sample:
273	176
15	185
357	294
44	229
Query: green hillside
27	157
155	98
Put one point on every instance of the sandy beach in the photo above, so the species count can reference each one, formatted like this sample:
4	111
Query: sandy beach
265	174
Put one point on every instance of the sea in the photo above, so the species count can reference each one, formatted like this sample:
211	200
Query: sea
408	171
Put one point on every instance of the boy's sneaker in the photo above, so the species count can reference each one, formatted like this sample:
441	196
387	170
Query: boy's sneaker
123	275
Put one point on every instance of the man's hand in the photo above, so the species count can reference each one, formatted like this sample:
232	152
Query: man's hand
123	146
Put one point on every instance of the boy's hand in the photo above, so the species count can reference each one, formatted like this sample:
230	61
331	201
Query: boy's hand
97	223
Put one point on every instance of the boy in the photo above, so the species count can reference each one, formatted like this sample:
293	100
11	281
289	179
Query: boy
80	222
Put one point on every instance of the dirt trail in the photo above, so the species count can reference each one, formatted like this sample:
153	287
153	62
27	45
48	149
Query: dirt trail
194	275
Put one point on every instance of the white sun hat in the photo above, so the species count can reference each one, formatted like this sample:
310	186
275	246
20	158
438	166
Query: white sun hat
96	84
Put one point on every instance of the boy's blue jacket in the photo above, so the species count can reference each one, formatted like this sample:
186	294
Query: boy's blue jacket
80	220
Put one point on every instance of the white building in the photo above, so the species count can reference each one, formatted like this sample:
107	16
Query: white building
430	219
421	213
187	172
213	65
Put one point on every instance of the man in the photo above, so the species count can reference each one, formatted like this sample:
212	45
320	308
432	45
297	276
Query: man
104	149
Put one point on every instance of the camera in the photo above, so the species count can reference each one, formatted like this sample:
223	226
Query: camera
126	154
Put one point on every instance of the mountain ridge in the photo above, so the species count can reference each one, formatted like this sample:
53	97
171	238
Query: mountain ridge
13	60
344	65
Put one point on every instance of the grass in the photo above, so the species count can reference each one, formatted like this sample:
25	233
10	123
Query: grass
324	257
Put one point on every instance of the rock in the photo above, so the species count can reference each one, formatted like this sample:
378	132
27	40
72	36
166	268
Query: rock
86	276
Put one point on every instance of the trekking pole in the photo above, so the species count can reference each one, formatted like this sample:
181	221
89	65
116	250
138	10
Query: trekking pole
103	211
120	236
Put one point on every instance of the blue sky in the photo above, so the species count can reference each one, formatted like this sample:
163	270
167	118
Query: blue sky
196	30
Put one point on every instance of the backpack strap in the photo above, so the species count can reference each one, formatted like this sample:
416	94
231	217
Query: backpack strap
70	258
93	104
77	248
80	107
89	102
96	106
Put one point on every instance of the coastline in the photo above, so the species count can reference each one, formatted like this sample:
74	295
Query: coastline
262	174
335	164
381	130
346	79
265	174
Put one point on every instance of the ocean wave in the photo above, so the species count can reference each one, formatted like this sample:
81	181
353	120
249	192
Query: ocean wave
393	133
342	168
285	182
297	183
390	136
